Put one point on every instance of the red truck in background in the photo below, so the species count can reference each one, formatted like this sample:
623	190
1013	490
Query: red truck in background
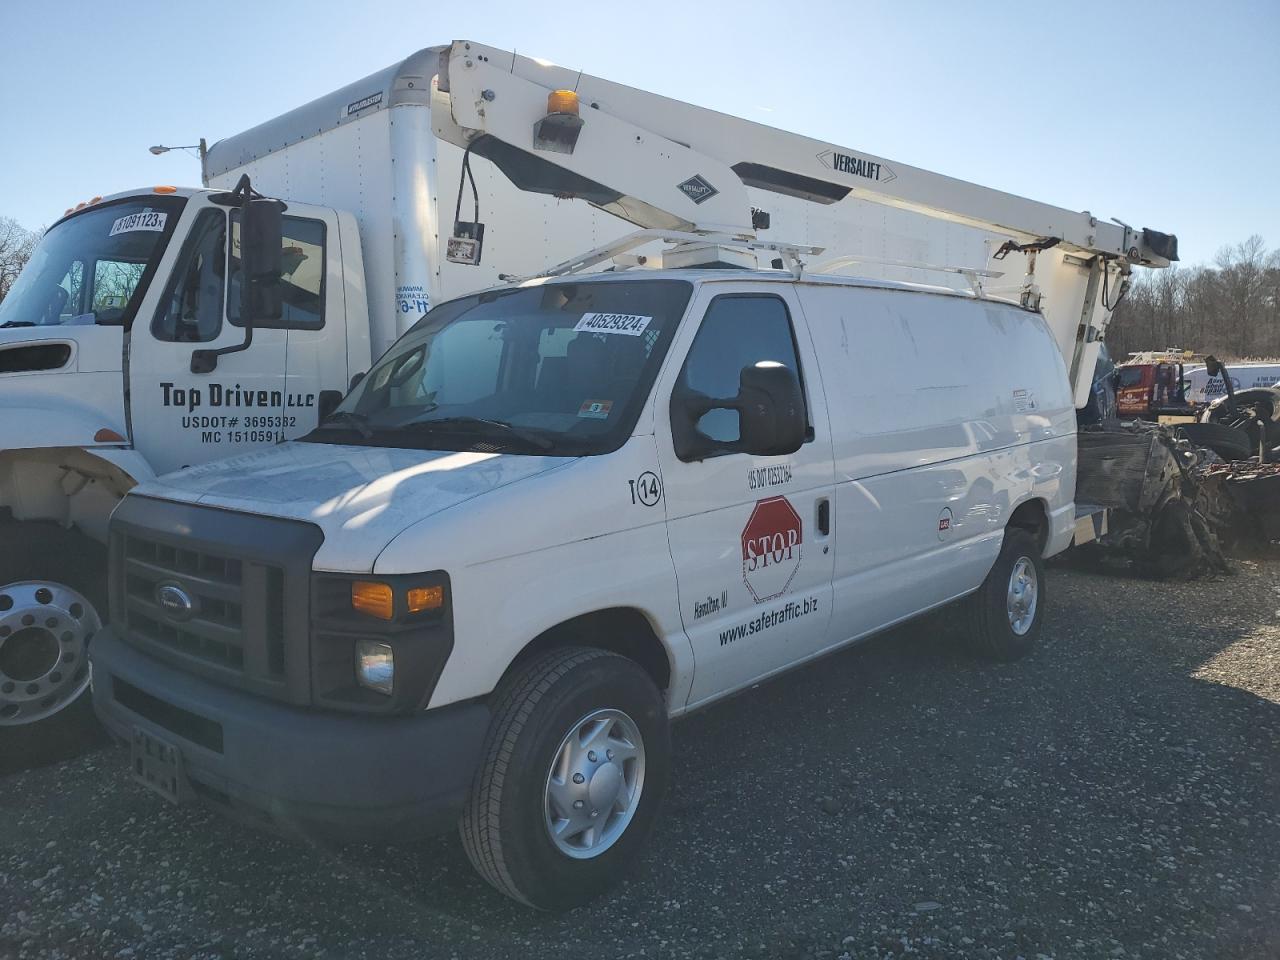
1152	384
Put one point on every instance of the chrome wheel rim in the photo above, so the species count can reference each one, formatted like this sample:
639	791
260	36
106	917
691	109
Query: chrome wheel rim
45	630
594	784
1023	596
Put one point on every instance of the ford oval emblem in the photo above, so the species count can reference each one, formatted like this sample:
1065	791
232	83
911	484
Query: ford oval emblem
176	603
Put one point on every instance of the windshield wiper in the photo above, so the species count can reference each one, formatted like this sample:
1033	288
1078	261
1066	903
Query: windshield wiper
457	424
19	323
341	418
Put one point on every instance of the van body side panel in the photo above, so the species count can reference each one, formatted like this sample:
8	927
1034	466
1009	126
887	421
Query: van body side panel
947	413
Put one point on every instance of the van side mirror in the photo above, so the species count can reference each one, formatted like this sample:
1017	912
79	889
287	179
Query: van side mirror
261	237
771	415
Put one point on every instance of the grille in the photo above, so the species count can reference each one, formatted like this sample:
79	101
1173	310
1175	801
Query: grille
237	622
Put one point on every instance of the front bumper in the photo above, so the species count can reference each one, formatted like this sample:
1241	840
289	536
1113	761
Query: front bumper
348	777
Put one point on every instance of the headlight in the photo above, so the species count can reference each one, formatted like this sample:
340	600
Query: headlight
375	665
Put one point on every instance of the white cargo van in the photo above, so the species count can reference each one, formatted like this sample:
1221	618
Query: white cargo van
555	516
1203	389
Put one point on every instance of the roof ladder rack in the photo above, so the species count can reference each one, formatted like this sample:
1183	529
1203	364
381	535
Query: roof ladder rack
789	252
973	275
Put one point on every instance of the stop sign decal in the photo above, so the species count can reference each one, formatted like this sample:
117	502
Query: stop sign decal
771	543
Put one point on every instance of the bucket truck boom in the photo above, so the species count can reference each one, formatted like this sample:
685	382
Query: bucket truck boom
661	163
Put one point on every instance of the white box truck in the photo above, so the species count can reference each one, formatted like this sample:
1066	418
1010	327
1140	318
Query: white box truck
123	353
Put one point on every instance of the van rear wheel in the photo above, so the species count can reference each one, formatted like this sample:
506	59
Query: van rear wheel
1006	612
572	775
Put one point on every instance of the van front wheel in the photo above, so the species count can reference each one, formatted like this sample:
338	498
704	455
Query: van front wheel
1006	612
572	775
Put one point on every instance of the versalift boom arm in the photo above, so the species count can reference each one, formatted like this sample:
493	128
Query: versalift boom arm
661	163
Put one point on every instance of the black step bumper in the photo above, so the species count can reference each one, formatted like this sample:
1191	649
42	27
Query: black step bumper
294	770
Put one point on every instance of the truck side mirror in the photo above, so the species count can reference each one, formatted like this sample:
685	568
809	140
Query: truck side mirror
261	268
771	417
261	238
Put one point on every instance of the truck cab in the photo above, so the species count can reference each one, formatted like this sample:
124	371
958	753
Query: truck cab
1150	385
100	390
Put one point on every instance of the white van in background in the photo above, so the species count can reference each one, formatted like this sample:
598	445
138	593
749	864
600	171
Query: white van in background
555	516
1203	389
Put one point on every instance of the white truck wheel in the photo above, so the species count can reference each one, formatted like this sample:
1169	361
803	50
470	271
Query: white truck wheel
52	602
45	628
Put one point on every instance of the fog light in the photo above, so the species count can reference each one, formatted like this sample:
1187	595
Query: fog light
375	665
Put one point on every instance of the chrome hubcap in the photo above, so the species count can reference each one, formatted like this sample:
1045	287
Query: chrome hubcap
45	629
1023	591
594	784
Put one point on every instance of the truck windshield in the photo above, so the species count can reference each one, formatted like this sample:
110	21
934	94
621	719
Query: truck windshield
561	369
92	267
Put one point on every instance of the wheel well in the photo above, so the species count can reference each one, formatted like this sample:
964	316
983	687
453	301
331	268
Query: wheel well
621	630
1032	516
66	485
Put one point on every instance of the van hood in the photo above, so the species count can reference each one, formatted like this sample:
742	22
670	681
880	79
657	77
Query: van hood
360	497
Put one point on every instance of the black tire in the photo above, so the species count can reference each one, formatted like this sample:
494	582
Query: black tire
504	827
991	632
1227	442
1264	401
46	551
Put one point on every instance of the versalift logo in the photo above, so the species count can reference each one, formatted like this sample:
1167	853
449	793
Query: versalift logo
697	189
858	166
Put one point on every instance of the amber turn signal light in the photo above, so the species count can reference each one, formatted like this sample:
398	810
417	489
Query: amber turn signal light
562	101
425	598
375	599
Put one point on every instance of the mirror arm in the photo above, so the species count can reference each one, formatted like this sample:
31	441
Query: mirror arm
206	361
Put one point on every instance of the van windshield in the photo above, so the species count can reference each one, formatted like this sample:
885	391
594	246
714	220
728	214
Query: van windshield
561	369
92	268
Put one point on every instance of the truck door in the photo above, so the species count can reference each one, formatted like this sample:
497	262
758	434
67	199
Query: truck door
1133	390
179	418
750	536
315	319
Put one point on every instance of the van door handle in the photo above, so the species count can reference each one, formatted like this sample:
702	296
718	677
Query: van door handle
824	516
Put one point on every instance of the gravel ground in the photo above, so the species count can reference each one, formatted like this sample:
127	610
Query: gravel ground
1117	794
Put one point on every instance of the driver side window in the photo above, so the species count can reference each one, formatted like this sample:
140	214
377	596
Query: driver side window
738	331
191	308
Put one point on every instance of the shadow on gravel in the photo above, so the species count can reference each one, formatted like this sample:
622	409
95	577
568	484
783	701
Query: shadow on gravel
1091	799
69	734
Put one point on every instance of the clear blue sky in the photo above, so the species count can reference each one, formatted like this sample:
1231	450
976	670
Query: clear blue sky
1162	114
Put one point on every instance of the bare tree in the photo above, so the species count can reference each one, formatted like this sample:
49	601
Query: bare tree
1231	309
16	244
